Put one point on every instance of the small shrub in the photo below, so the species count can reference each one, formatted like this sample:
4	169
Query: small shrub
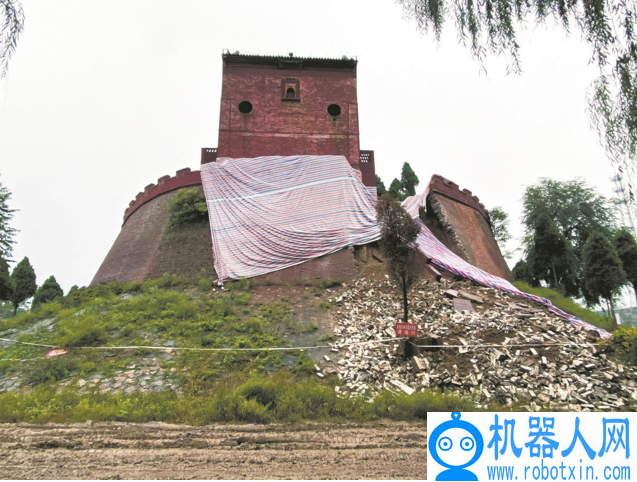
329	283
83	334
205	284
324	305
242	299
187	207
624	344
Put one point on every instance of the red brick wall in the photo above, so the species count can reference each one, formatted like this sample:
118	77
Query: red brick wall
466	221
277	127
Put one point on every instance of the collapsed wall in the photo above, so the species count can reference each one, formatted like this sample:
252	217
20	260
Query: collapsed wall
460	221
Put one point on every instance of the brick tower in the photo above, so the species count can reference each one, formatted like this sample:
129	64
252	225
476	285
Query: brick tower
280	106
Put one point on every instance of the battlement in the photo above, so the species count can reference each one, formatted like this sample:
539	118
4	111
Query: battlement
184	178
450	189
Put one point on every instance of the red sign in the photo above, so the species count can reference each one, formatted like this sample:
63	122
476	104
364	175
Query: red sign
406	329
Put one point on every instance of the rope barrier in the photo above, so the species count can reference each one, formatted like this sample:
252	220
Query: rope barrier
292	348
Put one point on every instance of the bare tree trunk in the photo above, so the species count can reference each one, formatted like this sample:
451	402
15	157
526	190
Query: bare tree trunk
554	275
405	299
612	309
15	310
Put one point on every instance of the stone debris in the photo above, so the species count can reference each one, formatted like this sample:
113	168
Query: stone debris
539	360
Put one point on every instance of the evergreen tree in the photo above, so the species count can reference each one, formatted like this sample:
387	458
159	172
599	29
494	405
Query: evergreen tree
6	285
409	180
380	187
551	258
49	291
23	278
522	272
627	251
603	272
398	232
6	231
396	190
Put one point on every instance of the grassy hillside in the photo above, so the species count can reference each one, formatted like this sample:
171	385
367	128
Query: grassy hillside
567	305
141	384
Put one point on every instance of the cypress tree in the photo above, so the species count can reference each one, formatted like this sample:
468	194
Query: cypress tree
603	272
6	285
396	190
552	256
627	251
409	180
23	278
49	291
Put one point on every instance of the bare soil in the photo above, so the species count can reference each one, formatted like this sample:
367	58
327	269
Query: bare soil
382	450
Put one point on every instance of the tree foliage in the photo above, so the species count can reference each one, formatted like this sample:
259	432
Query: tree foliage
577	210
11	26
489	27
188	206
603	272
499	220
23	279
396	190
409	180
380	187
551	258
627	251
49	291
398	233
6	285
6	231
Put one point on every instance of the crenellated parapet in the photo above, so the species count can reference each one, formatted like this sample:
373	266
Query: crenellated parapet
183	178
451	190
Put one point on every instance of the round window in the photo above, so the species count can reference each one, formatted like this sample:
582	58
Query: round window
334	110
245	107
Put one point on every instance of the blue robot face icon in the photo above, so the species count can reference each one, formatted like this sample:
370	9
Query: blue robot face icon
456	444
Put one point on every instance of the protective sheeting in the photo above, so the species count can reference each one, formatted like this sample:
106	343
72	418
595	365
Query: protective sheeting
441	256
270	213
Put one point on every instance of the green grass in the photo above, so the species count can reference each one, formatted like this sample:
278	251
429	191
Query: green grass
567	305
259	399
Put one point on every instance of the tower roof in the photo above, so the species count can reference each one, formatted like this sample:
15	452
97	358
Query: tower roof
290	61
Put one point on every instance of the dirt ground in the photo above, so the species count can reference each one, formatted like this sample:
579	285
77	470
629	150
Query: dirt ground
382	450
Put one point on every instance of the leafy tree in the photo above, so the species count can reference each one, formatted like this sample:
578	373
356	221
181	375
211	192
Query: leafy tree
6	285
603	273
23	278
11	26
380	187
575	208
489	27
49	291
409	180
499	221
398	233
551	258
396	190
627	251
6	231
188	206
522	272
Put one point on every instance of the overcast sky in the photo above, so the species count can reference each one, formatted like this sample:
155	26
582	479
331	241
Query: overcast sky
104	97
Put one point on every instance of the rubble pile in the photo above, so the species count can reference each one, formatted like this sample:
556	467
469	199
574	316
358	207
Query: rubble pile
501	348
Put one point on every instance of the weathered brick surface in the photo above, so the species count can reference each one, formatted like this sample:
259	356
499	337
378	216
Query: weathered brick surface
277	127
132	253
339	265
468	229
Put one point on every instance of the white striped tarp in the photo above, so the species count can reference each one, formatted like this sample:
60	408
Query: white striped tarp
270	213
443	257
